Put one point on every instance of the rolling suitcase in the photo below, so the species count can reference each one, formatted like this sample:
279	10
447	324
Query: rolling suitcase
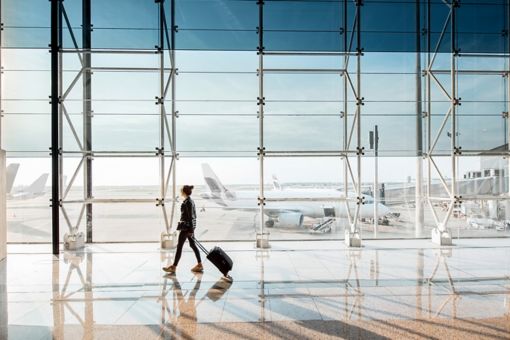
218	257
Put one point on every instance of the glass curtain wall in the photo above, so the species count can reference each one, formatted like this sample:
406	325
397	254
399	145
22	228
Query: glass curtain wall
294	120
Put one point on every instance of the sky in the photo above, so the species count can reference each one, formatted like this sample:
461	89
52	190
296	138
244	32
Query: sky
135	172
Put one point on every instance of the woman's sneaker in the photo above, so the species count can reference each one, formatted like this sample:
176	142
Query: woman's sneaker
170	269
198	268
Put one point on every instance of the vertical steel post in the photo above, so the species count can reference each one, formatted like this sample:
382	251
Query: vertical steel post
87	111
55	47
419	217
346	117
376	180
173	168
358	109
161	103
260	98
453	113
61	106
429	105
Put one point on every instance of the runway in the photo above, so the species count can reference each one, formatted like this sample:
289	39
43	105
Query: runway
30	220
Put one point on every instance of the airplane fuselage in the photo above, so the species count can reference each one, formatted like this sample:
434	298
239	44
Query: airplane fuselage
315	203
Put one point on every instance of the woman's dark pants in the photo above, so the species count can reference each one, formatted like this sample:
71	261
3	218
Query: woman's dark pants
183	235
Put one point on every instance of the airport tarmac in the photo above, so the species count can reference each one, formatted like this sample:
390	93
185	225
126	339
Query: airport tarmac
30	221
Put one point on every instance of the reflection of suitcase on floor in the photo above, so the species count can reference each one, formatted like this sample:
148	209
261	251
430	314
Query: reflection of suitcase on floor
218	257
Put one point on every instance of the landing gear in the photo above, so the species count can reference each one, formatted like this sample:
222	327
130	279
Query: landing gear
269	223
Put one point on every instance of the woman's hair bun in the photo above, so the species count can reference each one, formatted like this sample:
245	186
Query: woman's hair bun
187	189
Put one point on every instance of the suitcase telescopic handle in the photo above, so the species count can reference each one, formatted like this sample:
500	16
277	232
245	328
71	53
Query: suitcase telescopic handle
200	245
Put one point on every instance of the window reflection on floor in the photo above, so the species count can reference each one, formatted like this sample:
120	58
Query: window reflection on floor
106	286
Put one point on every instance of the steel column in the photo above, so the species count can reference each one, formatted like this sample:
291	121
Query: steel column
261	242
419	217
453	112
61	106
54	49
345	115
428	108
161	103
173	168
376	180
87	111
359	102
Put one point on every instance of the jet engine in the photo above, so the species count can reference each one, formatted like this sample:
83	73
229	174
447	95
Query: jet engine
290	219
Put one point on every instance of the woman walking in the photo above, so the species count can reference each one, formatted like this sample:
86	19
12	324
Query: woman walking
186	226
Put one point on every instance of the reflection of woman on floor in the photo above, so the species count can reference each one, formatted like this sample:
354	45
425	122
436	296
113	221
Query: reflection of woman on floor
187	320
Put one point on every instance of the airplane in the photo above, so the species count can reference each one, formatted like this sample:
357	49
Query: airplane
34	190
479	221
287	213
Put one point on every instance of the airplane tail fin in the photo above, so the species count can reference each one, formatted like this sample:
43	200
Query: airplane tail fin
39	184
10	174
276	183
214	183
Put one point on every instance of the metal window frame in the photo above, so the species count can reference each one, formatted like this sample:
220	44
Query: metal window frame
167	129
61	120
455	153
351	130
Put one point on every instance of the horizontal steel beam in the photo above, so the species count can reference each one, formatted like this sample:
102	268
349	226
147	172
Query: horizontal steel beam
113	200
303	70
276	53
432	198
471	153
479	72
109	51
126	69
93	153
333	152
311	199
484	55
484	197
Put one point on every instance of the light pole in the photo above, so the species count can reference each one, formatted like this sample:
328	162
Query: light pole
374	144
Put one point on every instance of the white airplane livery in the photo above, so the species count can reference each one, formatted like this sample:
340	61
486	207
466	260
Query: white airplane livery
287	213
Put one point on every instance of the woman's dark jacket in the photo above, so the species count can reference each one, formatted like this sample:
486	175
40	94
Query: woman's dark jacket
188	215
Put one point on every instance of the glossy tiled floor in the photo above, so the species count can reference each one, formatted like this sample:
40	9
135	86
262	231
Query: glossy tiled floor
389	289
